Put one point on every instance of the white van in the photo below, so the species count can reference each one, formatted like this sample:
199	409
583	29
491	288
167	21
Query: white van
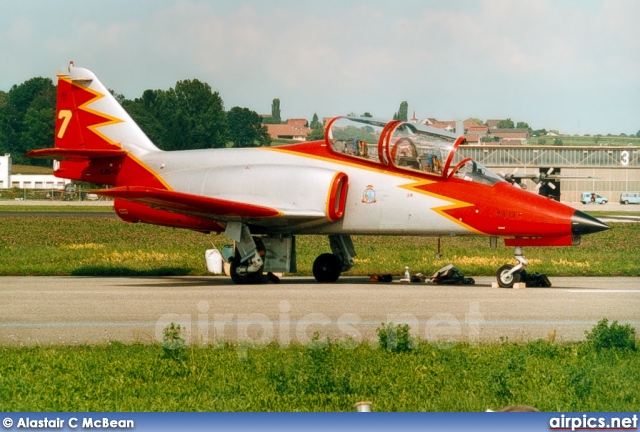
592	197
630	198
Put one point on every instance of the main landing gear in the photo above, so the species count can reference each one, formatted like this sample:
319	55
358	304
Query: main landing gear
254	256
250	270
328	266
509	275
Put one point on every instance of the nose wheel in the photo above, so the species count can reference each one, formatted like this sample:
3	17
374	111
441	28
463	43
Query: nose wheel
508	275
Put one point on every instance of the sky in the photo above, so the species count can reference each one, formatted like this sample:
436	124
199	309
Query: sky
567	65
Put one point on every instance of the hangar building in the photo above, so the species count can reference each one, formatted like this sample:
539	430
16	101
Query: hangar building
617	168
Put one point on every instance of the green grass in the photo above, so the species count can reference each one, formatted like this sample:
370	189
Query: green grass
322	376
319	377
88	246
56	209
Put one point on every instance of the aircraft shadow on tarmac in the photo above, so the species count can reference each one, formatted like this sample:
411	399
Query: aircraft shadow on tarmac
176	281
97	271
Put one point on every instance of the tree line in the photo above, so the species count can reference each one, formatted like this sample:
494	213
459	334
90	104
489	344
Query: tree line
188	116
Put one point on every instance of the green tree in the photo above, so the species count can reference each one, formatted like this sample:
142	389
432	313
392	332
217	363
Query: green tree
275	111
37	97
38	134
506	124
638	134
146	119
557	141
539	132
367	115
246	129
201	120
403	112
189	116
315	122
4	123
317	129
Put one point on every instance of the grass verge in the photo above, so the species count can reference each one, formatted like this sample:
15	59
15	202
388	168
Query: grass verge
322	376
35	245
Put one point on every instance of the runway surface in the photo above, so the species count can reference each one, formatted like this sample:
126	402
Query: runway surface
79	310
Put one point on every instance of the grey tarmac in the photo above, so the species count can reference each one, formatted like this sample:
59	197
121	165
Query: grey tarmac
90	310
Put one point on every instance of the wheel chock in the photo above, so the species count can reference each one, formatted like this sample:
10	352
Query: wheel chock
518	285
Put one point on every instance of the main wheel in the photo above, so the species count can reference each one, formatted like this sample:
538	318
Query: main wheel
326	268
239	273
507	281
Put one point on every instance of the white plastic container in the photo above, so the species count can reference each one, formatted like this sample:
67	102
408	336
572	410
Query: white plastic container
214	261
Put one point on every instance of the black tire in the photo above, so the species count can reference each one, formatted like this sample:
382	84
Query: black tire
238	272
626	202
326	268
507	282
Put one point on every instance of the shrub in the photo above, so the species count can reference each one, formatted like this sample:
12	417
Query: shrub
605	336
395	338
173	344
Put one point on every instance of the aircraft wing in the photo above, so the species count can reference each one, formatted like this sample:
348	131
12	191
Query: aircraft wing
202	206
63	154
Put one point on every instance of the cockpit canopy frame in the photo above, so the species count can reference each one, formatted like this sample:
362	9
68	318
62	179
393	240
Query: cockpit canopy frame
405	146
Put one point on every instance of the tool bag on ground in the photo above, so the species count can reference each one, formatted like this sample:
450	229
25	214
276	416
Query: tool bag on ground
535	279
450	275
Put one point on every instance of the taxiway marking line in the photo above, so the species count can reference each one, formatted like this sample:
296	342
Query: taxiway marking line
234	324
602	291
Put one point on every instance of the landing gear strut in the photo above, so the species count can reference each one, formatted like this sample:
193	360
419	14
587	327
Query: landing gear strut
248	261
328	266
250	270
508	274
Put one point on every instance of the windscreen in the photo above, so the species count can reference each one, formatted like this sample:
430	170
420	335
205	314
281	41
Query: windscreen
474	171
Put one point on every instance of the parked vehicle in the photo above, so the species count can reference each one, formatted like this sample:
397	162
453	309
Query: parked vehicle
630	198
594	198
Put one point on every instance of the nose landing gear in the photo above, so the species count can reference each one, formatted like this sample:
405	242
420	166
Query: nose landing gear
509	275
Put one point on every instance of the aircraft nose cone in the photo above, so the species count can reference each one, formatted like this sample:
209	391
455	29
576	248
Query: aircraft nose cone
582	223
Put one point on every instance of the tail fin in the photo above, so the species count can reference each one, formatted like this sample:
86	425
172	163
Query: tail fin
95	138
89	117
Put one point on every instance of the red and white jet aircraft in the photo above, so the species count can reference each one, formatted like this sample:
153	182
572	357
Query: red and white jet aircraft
365	177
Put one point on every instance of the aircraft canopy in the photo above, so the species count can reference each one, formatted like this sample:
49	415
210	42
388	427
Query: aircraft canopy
404	145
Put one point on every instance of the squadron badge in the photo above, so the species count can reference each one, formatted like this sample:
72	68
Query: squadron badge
369	195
